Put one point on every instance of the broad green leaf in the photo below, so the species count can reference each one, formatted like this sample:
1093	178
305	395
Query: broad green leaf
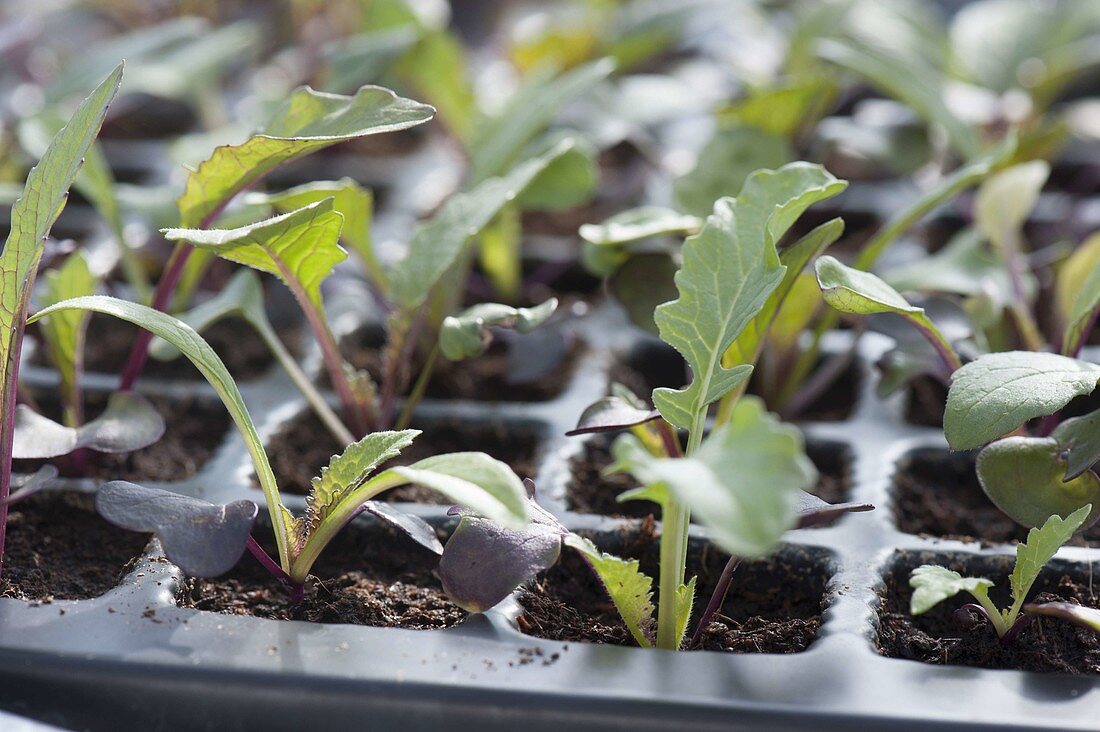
629	589
498	142
932	585
729	270
860	293
128	423
724	165
300	248
32	216
640	223
351	200
469	333
568	180
1073	273
1024	477
1041	545
643	283
64	332
782	110
743	483
308	121
438	242
965	266
1006	199
1083	314
199	352
998	392
1079	440
747	347
346	472
803	304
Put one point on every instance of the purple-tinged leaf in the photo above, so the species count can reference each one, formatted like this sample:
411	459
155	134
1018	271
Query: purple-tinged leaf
128	423
32	484
813	511
484	562
610	414
203	539
1087	617
414	527
1079	442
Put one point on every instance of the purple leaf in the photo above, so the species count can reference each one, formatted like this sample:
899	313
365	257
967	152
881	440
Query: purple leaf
612	413
32	484
203	539
1087	617
484	562
813	511
414	527
128	423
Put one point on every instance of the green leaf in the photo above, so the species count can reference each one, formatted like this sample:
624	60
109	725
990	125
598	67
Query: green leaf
199	352
860	293
568	180
1086	617
725	163
998	392
1024	477
685	601
747	347
932	585
500	250
1041	546
1083	315
1073	273
436	68
640	223
643	283
349	199
629	589
498	142
1007	198
365	57
242	296
469	333
964	266
1079	440
300	248
743	483
438	242
64	332
306	122
729	270
128	423
346	472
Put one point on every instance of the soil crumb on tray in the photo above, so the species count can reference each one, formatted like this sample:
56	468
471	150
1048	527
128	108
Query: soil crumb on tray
937	493
194	429
303	446
589	491
366	576
58	548
1046	645
773	606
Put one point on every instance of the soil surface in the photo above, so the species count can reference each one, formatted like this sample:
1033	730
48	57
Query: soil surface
1047	644
773	605
366	576
937	493
485	378
108	341
58	548
925	400
588	491
194	429
303	446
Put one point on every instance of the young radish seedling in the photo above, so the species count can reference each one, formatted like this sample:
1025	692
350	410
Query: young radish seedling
933	584
743	480
207	540
32	217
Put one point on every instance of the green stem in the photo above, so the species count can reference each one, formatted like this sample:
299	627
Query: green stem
418	389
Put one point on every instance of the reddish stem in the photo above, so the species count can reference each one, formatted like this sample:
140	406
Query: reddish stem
716	599
297	591
139	352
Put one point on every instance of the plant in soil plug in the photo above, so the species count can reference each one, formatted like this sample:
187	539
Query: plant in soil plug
933	584
743	480
32	216
207	540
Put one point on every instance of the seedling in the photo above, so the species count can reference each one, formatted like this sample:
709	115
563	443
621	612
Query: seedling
205	539
933	584
744	479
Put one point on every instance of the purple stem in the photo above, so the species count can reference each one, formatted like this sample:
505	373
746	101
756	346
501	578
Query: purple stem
389	384
139	353
669	438
297	591
716	599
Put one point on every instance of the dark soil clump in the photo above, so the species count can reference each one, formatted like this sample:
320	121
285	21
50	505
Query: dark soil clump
58	548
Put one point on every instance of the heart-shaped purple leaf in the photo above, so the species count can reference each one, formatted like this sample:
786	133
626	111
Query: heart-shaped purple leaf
128	423
203	539
813	511
484	562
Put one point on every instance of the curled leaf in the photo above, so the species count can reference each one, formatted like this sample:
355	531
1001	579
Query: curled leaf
469	333
610	414
203	539
813	511
128	423
1086	617
413	527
